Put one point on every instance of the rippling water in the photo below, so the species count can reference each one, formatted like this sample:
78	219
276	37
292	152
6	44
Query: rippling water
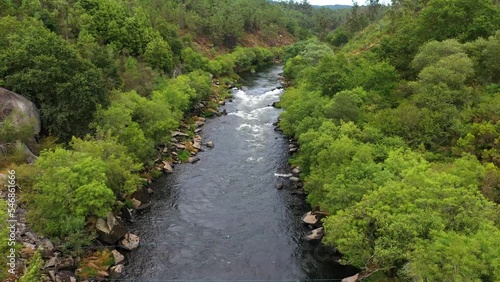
221	218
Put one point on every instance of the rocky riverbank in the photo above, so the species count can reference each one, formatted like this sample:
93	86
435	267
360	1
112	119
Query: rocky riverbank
104	259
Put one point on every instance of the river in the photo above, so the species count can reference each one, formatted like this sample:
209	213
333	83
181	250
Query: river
222	219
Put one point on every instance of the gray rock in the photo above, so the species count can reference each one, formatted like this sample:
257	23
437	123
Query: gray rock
197	145
167	167
119	258
46	248
310	218
52	275
111	229
179	133
192	160
279	186
296	171
116	271
66	263
142	195
316	234
210	144
20	112
179	146
52	262
130	242
353	278
294	179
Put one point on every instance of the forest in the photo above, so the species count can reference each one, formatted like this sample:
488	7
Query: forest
399	133
396	110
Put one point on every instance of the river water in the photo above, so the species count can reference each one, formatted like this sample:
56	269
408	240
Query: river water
222	219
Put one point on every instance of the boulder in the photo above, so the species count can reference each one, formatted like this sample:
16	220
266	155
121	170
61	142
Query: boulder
66	263
136	203
20	112
199	123
279	186
294	179
316	234
179	146
119	258
294	149
52	262
130	242
210	144
192	160
127	213
197	145
296	171
142	195
167	167
111	229
116	271
310	218
179	133
353	278
198	130
52	275
46	248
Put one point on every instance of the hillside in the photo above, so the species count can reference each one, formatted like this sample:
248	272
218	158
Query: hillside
398	125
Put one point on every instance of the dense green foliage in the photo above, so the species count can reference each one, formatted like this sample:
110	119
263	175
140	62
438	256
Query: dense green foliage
399	139
112	79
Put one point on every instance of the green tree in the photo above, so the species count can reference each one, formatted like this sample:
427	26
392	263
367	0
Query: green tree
121	170
159	55
38	64
70	187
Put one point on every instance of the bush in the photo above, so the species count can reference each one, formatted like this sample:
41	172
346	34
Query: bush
69	188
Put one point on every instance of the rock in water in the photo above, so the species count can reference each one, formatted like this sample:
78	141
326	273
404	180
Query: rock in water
210	144
192	160
116	271
316	234
279	186
119	258
130	242
310	218
294	179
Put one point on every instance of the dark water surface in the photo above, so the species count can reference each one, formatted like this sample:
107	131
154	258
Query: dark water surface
221	218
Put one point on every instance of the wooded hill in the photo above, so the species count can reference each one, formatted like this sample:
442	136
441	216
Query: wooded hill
399	132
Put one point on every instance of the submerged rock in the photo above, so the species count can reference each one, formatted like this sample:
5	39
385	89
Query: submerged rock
279	185
130	242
